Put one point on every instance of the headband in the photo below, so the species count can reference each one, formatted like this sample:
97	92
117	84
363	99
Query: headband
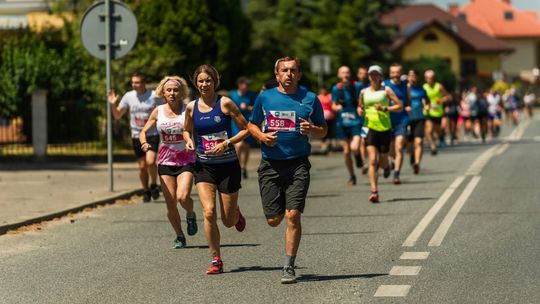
173	81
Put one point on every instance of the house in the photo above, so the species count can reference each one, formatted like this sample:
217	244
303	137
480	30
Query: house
33	14
427	30
517	28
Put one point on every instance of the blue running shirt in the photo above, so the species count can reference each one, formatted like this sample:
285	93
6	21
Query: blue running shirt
417	106
401	117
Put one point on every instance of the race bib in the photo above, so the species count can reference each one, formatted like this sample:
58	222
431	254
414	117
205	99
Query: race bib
282	121
140	122
210	141
171	138
348	118
434	106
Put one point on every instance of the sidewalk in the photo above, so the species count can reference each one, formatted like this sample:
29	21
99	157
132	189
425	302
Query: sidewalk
33	192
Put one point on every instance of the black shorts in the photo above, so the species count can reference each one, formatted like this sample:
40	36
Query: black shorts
225	176
175	170
331	129
416	129
284	185
152	140
435	120
380	140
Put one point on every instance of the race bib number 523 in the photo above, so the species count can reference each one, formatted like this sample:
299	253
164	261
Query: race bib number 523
282	121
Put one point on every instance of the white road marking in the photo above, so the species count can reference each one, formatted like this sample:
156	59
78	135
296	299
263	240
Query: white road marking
441	232
392	291
479	163
411	255
405	270
502	149
536	138
518	132
422	225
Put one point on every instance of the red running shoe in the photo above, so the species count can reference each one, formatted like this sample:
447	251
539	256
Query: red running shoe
216	268
416	168
374	197
241	224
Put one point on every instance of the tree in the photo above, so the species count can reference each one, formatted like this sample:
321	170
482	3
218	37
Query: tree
442	69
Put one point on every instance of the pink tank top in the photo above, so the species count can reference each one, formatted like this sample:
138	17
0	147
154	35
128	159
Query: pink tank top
172	147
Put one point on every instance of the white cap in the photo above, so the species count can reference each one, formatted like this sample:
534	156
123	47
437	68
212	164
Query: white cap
375	68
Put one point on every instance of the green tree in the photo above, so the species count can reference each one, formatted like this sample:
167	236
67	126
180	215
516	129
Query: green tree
441	67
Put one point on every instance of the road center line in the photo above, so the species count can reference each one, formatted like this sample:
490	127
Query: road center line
422	225
479	163
502	149
405	270
441	232
408	255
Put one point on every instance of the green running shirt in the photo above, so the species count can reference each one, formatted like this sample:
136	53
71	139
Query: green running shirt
376	120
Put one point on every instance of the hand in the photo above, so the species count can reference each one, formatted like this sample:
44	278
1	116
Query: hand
408	109
378	107
145	147
338	107
219	148
305	127
269	139
112	97
360	111
243	106
189	145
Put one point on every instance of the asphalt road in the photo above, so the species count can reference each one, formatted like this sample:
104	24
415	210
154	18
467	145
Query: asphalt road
466	230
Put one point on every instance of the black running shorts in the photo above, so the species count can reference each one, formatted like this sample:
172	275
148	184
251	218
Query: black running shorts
380	140
175	170
152	140
225	176
284	185
416	129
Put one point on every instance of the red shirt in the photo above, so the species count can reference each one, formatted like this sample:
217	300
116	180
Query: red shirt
326	101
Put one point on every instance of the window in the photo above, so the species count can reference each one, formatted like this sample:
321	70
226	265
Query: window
508	15
468	67
462	16
430	37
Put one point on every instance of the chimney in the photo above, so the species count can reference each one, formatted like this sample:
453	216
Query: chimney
453	9
509	2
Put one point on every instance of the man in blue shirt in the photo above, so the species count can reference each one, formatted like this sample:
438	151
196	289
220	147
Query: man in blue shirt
348	122
400	120
283	118
419	102
244	100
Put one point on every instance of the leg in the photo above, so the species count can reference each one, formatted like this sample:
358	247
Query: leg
168	186
183	191
151	165
418	149
399	144
229	205
143	173
429	134
345	145
293	233
207	195
373	164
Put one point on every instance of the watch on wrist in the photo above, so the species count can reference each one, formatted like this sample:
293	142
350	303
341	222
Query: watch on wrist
385	108
229	143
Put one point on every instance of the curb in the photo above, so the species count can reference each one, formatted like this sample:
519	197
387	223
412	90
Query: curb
107	201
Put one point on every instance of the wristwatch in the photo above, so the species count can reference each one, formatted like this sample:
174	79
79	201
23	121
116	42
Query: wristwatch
229	143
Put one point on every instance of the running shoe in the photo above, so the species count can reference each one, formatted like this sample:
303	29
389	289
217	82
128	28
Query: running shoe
433	152
397	181
352	180
416	168
192	227
288	275
358	160
441	144
241	224
386	172
365	170
154	191
216	267
374	197
244	174
146	196
180	242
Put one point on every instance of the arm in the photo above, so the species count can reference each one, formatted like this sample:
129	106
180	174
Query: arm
229	108
360	108
149	124
117	112
257	117
336	106
445	94
188	127
397	103
318	128
408	108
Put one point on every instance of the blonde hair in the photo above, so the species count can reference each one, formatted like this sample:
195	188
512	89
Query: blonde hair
184	88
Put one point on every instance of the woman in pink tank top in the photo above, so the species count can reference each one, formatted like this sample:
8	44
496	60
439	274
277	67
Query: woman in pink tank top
175	162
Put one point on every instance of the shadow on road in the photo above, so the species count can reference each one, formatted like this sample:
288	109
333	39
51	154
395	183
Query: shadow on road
319	278
260	268
339	233
409	199
223	246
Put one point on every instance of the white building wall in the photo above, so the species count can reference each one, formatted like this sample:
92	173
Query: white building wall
524	58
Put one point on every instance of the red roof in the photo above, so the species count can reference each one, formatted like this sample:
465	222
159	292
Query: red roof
489	17
410	18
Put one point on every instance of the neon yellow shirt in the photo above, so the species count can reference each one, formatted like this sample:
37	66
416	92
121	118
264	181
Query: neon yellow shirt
434	94
376	120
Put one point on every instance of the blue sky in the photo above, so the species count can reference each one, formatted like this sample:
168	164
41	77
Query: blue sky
520	4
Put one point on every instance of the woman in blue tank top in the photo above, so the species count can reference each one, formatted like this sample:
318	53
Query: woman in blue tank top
217	169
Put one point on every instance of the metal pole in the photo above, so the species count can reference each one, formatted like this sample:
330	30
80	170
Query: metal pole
108	79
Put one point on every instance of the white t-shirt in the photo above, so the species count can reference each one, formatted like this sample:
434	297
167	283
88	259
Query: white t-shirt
140	107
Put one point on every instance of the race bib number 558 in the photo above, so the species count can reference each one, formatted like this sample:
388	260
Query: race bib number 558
282	121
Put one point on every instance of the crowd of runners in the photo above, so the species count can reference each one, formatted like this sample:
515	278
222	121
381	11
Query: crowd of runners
207	141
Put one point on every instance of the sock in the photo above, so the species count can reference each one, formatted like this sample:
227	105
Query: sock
396	174
289	261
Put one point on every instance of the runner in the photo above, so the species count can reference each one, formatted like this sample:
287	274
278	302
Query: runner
452	114
528	101
376	100
437	96
348	123
217	168
175	163
419	102
244	100
494	109
400	119
329	116
140	103
288	115
363	82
